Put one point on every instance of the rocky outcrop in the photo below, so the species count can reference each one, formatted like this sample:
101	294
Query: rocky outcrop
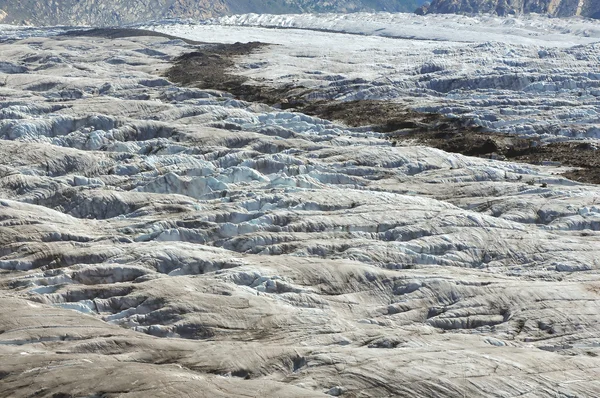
557	8
117	12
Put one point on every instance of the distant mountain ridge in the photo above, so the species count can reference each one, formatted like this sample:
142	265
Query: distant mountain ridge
118	12
556	8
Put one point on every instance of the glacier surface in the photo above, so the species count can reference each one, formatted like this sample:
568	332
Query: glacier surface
177	240
530	75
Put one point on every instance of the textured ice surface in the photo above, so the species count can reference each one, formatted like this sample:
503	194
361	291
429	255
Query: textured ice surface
277	254
529	75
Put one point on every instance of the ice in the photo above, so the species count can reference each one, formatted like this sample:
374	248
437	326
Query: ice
548	63
176	240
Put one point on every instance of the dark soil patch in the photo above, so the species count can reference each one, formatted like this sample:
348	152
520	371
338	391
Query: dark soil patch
460	136
577	154
379	115
475	143
472	142
208	68
120	33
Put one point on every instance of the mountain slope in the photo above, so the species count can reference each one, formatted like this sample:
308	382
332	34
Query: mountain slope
116	12
300	6
557	8
102	13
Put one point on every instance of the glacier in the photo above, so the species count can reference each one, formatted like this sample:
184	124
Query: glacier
162	238
529	75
